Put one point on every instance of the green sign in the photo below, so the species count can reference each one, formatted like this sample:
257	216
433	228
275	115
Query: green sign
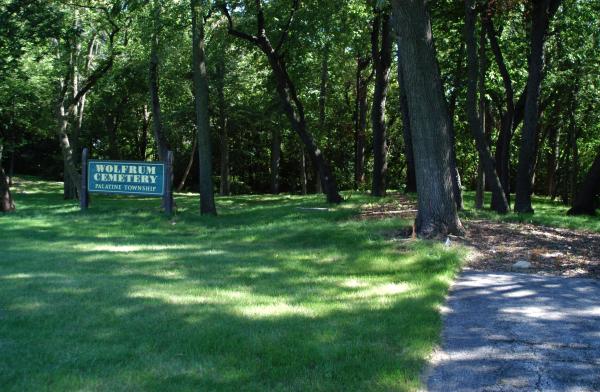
128	178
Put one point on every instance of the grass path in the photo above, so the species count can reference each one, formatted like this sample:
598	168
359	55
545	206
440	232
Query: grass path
267	296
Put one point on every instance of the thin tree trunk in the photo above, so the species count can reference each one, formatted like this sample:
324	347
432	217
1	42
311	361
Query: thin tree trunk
275	159
429	120
574	166
585	202
159	135
480	187
303	182
189	165
292	106
11	166
382	60
223	131
502	155
224	188
552	159
411	181
542	10
207	201
143	145
471	107
360	123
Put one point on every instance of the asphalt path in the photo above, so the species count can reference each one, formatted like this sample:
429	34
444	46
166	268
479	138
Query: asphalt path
519	332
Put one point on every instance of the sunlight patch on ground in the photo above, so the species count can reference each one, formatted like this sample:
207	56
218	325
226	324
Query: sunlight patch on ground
275	310
140	248
170	298
33	276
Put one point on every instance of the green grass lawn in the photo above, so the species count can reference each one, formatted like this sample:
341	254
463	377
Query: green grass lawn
266	296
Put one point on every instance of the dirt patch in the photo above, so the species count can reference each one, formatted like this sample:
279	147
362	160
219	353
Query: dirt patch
401	207
496	246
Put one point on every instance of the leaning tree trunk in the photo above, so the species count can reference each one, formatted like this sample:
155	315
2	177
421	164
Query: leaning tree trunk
411	181
589	192
485	156
430	125
189	165
292	105
207	200
542	10
382	60
159	135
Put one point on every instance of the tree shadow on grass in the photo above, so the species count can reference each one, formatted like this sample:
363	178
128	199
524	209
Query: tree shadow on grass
264	297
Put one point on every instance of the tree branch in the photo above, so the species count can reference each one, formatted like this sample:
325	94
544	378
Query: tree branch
231	30
286	29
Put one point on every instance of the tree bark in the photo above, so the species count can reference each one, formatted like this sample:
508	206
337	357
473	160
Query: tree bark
275	159
475	122
224	188
411	181
542	10
159	135
207	200
585	202
6	201
188	167
303	181
502	155
360	122
429	120
552	160
292	106
382	60
143	143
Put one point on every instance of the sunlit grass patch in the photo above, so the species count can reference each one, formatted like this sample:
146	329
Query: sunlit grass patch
276	293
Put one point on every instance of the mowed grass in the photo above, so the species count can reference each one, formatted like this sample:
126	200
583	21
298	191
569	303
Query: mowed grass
546	213
269	295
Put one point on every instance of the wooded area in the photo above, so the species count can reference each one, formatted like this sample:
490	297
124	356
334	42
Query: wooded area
311	96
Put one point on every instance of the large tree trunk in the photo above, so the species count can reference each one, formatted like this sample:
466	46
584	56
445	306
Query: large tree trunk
542	10
292	106
71	177
411	181
360	122
429	120
382	60
275	159
475	123
586	200
159	135
207	200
